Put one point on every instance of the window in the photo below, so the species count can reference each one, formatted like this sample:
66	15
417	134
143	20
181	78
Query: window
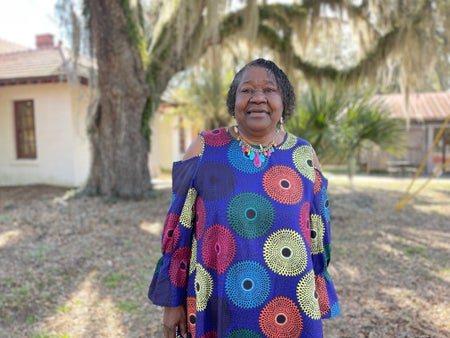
25	133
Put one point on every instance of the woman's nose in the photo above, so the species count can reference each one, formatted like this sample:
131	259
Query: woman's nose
258	96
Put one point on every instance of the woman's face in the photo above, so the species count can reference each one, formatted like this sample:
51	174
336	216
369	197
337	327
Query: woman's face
259	105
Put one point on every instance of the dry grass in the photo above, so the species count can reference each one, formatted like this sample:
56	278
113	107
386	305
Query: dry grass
81	268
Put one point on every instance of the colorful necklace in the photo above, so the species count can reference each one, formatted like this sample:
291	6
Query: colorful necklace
257	154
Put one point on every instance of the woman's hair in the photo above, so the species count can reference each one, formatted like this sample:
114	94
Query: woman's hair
287	92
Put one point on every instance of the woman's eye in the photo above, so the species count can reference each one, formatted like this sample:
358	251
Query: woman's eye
246	90
269	90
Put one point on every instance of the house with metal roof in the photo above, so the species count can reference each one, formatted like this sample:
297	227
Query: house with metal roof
426	118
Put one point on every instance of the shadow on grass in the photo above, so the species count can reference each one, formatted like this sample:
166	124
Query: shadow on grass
77	268
390	267
81	268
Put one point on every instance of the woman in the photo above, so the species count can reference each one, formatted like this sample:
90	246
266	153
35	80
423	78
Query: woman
246	241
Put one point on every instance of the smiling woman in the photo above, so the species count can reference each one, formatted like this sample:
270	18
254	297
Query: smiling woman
246	242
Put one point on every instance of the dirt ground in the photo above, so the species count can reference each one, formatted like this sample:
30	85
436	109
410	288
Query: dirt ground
81	267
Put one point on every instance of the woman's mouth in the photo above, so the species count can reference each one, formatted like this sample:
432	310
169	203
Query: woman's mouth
257	112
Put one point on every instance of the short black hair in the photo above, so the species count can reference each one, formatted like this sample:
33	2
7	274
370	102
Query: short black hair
285	86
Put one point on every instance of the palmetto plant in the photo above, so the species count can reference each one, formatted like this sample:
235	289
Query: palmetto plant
367	122
316	120
339	125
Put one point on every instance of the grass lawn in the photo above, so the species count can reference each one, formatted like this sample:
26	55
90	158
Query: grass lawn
81	267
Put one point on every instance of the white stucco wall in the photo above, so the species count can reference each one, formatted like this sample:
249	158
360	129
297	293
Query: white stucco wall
62	150
63	153
165	148
169	140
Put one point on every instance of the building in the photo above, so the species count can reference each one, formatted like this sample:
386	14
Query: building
424	116
43	107
45	95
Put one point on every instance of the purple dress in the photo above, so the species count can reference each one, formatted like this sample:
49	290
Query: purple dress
246	248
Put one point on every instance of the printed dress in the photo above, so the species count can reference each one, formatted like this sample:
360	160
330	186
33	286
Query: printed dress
246	247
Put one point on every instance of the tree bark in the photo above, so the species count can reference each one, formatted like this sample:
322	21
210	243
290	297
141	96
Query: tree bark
120	149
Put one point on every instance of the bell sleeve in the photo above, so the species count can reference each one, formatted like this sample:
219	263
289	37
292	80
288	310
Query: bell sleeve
169	282
321	248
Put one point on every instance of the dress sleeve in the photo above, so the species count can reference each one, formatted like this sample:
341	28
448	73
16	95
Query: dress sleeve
168	286
321	248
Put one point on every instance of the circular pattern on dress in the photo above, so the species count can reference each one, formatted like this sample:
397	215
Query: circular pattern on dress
191	314
217	137
251	215
321	289
216	180
203	285
303	161
317	233
307	296
179	265
243	333
285	253
193	261
281	318
200	217
187	213
247	284
325	205
218	248
289	143
283	184
171	234
242	163
305	222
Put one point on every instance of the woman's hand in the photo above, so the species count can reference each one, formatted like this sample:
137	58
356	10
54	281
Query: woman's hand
174	317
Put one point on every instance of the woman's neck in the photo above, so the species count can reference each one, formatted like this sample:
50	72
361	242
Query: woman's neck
267	138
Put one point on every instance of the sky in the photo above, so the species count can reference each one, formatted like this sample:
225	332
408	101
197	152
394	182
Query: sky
22	20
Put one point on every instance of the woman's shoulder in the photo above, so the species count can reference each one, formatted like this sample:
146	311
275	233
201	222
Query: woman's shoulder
291	138
195	149
215	137
300	141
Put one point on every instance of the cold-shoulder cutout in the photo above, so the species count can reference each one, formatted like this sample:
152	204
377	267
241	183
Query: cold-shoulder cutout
194	149
316	160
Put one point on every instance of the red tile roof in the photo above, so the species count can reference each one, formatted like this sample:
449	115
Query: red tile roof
37	65
422	106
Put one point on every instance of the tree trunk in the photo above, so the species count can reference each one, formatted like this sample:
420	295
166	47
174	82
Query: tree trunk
120	149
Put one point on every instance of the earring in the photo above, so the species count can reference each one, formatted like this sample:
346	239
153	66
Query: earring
281	123
235	127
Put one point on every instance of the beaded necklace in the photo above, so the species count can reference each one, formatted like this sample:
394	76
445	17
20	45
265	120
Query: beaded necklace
257	154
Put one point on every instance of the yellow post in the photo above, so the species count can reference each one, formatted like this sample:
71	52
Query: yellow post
407	197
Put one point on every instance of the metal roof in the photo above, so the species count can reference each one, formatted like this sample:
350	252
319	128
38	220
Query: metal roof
421	106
